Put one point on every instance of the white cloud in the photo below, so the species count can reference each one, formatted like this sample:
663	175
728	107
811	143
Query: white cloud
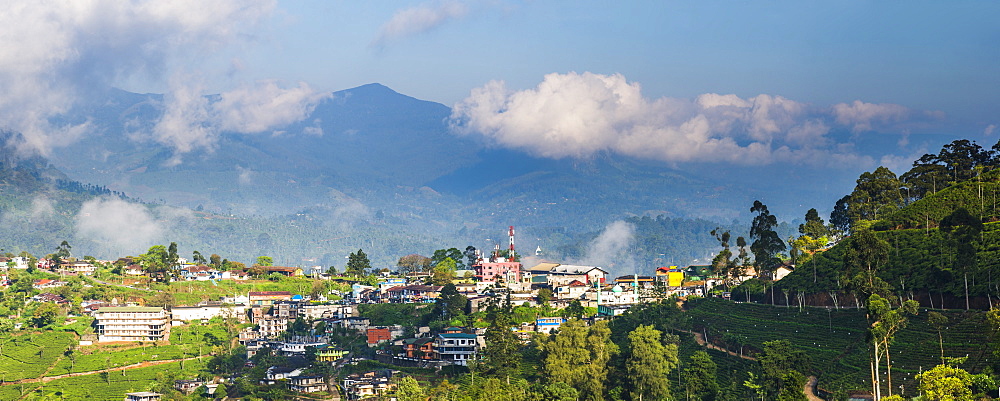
579	115
117	227
265	106
55	53
419	19
191	120
989	130
861	116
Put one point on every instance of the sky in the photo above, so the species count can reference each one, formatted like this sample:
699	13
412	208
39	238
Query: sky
736	82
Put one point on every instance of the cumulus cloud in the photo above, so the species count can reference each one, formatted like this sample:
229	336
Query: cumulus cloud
579	115
118	227
55	53
191	120
415	20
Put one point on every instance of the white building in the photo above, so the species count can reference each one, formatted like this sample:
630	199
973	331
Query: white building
131	323
206	312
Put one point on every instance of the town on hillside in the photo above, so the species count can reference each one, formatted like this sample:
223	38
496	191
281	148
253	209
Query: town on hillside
298	325
160	327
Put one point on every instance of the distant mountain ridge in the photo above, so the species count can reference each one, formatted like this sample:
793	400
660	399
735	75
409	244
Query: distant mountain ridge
370	158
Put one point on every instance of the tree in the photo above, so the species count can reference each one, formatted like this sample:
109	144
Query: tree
196	257
502	354
220	391
471	255
964	229
946	383
409	390
722	263
939	322
782	369
926	177
357	264
866	253
63	250
814	225
265	261
413	263
451	253
443	272
544	296
450	304
885	323
840	217
649	362
700	375
172	256
215	260
743	257
156	260
574	310
766	242
876	194
45	314
557	392
578	356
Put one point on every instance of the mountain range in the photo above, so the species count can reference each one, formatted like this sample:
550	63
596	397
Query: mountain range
371	160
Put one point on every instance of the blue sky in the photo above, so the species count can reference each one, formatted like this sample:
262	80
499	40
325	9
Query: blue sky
799	71
924	55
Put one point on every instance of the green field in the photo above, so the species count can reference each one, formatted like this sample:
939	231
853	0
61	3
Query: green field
29	355
105	387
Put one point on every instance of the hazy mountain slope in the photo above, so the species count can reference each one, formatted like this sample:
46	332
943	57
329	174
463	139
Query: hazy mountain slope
368	156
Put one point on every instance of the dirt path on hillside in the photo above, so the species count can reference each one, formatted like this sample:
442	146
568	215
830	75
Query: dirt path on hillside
700	339
810	389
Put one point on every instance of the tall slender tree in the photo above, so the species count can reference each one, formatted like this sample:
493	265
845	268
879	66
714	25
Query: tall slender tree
885	323
766	242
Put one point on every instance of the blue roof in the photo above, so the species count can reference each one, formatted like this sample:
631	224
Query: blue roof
457	335
296	297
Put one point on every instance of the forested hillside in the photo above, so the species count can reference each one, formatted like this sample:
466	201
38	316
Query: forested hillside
931	235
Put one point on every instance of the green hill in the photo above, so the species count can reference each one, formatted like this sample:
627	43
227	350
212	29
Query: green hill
923	261
836	342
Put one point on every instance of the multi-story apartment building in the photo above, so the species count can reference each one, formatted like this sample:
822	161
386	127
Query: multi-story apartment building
455	346
131	323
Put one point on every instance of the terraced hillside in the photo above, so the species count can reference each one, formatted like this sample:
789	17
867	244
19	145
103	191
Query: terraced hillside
836	339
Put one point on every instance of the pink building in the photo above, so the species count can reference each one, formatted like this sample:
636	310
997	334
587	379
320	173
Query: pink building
490	271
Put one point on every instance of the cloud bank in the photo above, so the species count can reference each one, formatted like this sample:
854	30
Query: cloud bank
191	120
580	115
416	20
55	54
118	227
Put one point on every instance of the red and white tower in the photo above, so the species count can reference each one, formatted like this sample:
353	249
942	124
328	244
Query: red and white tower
511	234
